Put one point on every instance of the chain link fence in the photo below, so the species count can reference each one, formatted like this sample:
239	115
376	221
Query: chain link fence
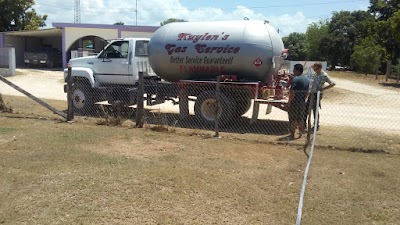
365	119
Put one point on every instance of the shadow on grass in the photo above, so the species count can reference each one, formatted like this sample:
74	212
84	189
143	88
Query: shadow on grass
240	125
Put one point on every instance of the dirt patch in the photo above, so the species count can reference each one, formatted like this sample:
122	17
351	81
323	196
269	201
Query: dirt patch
137	148
337	95
3	107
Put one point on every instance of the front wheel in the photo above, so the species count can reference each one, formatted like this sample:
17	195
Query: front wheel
83	98
206	108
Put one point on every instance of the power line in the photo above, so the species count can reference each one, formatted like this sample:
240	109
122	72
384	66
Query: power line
190	9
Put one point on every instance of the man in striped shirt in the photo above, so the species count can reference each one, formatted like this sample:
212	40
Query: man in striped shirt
318	84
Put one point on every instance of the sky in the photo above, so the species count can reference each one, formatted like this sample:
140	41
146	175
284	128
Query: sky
287	16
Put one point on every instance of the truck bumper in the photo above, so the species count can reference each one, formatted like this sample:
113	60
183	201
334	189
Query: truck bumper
35	62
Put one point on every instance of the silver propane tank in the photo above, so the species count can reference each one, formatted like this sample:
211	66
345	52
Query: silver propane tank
204	50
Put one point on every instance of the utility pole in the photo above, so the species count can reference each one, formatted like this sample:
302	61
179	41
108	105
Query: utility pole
136	12
77	11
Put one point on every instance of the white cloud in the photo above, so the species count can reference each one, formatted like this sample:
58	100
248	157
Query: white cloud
152	12
287	24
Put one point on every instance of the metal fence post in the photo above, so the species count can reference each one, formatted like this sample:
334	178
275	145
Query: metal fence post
398	70
217	97
388	69
70	111
309	126
140	104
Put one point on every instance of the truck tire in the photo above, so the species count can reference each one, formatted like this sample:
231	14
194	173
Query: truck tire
206	108
242	105
83	98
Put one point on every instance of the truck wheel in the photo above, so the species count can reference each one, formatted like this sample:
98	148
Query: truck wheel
83	99
206	108
242	106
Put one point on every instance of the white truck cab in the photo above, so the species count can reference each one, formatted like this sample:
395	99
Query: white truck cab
119	63
110	74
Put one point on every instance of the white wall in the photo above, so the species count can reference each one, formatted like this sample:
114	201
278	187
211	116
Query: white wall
129	34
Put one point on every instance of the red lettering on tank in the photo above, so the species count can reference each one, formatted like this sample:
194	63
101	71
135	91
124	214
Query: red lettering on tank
173	49
197	37
202	38
207	69
182	69
202	48
182	36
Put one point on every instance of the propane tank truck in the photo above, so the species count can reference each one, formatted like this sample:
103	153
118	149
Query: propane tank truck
182	62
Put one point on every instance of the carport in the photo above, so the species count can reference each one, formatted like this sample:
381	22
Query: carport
73	40
77	37
25	41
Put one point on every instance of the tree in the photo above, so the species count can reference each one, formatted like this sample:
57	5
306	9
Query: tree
394	23
316	32
172	20
386	12
345	30
119	23
384	9
19	15
296	43
368	56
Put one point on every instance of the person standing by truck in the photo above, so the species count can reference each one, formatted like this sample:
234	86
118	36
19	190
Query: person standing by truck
319	79
297	100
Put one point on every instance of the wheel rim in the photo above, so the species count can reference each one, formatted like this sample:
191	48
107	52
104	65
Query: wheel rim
209	109
79	99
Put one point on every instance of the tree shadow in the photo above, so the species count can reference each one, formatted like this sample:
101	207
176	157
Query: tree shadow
395	85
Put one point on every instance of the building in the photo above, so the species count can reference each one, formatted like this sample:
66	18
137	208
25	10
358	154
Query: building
72	39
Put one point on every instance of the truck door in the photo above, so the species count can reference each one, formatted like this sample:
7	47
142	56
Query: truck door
112	65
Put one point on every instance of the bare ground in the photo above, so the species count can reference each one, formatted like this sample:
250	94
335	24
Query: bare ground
59	173
52	172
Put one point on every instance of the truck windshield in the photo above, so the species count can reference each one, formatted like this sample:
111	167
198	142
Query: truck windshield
118	49
142	48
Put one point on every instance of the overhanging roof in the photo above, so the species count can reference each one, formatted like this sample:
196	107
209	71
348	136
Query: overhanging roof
52	32
106	26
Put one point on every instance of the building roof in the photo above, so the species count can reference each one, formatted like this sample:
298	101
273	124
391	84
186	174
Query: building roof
52	32
106	26
57	30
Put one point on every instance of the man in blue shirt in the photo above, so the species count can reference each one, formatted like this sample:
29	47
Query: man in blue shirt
297	100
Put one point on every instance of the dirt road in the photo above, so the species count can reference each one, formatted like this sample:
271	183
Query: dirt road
45	84
348	104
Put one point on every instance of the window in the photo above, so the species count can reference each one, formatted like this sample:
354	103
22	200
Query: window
142	48
118	49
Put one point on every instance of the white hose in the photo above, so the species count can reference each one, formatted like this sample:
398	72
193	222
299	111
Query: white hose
303	188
